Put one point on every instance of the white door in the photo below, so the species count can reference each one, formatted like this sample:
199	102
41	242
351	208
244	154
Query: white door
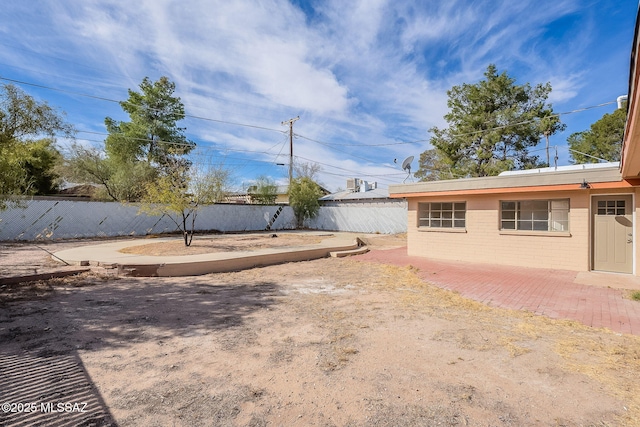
613	234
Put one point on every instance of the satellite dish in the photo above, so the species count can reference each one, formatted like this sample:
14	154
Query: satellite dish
406	165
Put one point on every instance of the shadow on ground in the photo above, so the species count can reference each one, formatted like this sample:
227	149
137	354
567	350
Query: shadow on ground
51	391
44	330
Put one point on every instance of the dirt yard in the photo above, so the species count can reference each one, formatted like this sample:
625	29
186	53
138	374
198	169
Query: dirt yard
203	245
331	342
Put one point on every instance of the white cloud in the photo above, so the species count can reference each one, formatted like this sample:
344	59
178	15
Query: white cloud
565	87
266	50
366	72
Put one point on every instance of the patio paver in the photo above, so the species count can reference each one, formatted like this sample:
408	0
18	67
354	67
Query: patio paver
594	299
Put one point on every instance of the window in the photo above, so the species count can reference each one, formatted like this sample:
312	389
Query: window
535	215
442	215
611	207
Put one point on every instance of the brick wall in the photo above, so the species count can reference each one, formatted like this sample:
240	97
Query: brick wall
482	240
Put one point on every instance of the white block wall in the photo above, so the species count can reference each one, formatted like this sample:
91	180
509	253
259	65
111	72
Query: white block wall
61	219
372	217
64	219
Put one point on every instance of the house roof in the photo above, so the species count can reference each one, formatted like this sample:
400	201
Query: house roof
600	176
284	189
373	194
630	158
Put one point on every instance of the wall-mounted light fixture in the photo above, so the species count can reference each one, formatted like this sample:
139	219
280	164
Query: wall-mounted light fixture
585	185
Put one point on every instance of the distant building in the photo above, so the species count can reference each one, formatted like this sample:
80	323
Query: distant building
362	207
358	192
282	196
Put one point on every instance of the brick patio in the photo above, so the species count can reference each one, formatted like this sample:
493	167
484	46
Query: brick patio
594	299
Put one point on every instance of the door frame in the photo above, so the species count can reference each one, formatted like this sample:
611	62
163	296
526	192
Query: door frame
592	230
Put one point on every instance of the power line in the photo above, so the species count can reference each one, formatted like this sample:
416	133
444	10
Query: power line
159	141
588	155
100	98
219	149
205	118
343	169
579	110
350	154
329	145
197	152
361	145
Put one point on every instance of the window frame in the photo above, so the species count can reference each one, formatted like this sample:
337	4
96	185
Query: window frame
442	216
528	216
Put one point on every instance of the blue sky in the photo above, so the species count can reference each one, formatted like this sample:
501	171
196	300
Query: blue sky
367	78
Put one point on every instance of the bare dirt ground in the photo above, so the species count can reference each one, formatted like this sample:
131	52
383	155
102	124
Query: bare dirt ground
226	244
331	342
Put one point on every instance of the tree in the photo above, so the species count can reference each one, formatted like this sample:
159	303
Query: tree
28	155
39	162
432	167
210	185
492	125
141	150
168	195
264	191
303	199
603	141
121	181
309	170
178	195
29	168
152	135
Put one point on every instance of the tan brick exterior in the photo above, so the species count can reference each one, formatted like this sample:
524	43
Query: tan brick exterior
636	238
482	241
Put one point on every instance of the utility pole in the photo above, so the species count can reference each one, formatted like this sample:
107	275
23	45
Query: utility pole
546	135
290	122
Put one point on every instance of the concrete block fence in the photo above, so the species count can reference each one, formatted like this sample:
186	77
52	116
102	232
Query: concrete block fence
67	219
384	218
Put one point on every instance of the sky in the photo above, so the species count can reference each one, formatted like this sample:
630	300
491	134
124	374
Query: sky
367	78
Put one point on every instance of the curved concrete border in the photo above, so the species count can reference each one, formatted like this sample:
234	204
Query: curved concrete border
193	265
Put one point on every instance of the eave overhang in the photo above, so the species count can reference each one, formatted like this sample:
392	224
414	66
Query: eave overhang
630	155
595	179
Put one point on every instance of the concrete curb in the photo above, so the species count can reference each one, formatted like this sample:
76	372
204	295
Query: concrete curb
194	265
41	276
